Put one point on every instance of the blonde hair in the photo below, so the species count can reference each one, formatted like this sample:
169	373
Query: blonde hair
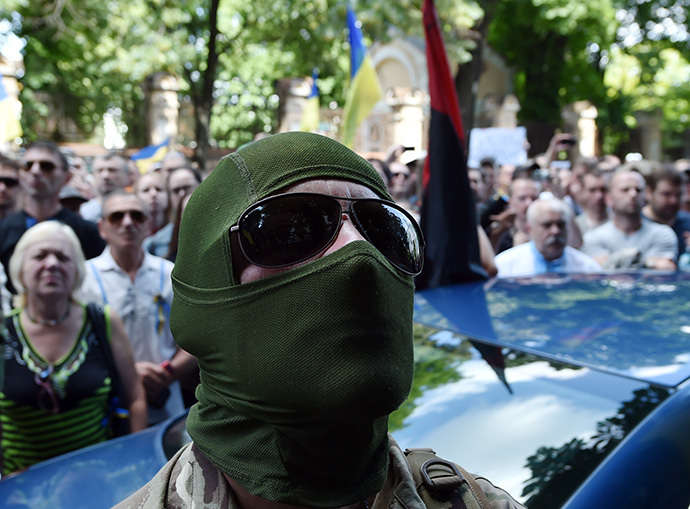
45	230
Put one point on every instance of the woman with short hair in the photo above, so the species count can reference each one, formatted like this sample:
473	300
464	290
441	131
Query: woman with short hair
60	359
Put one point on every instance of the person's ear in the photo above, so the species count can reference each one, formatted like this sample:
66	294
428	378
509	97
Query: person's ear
101	225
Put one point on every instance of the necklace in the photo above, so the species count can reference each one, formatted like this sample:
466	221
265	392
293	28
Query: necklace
50	323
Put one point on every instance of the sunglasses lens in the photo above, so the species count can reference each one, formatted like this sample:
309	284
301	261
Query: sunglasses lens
116	217
9	182
288	229
136	215
392	232
46	166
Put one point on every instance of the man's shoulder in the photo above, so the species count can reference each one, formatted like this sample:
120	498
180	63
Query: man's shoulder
602	230
682	221
73	219
104	262
158	263
91	210
582	259
187	480
514	252
13	221
405	476
517	261
650	227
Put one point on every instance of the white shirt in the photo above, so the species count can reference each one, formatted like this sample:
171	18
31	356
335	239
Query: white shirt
526	260
144	306
91	210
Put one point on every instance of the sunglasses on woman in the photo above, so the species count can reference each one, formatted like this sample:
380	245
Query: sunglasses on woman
286	229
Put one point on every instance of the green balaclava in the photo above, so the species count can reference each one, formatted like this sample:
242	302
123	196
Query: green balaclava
299	370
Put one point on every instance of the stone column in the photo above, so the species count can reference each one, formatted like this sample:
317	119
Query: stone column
293	93
162	107
580	119
507	113
8	73
407	117
649	124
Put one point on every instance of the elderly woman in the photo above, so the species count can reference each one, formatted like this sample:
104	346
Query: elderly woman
55	381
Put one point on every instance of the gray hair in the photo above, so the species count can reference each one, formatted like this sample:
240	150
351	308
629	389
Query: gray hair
554	204
44	230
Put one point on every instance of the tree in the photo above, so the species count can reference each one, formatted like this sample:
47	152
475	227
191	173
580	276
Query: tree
230	55
557	50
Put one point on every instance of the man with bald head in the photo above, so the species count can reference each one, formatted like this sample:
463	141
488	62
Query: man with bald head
547	251
629	240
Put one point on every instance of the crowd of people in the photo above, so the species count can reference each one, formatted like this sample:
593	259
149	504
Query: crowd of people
87	299
92	333
588	215
292	249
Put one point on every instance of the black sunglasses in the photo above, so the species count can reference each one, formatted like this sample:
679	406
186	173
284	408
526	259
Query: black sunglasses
46	166
286	229
9	181
137	216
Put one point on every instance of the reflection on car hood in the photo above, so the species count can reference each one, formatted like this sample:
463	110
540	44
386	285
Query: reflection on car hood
633	324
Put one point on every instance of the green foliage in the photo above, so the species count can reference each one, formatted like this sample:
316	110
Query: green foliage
622	55
555	47
90	56
434	365
558	471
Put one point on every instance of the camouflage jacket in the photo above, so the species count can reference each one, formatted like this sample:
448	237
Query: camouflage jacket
189	480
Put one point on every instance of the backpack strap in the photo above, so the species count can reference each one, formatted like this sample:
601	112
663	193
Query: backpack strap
436	477
96	315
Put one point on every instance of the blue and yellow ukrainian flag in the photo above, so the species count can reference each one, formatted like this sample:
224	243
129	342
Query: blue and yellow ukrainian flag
310	115
149	155
365	89
10	128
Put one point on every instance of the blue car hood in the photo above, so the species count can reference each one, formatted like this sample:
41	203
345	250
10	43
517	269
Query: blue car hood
610	322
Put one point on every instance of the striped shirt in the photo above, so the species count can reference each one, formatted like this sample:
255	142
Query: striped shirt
47	410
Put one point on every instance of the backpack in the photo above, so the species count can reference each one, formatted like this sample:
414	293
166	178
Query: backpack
441	483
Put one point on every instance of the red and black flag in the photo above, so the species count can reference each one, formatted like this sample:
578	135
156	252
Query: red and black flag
448	216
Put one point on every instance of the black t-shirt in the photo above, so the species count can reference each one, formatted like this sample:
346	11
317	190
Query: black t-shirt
14	226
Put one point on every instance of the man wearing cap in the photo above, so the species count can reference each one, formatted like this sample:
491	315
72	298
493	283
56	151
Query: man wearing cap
303	332
71	198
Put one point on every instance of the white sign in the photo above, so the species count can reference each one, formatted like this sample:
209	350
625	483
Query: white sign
503	144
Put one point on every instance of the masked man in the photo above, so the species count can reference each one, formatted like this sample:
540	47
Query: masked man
293	288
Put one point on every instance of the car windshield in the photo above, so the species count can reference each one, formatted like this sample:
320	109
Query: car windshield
537	428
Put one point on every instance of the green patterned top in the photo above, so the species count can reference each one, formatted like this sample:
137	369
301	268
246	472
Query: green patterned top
47	410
